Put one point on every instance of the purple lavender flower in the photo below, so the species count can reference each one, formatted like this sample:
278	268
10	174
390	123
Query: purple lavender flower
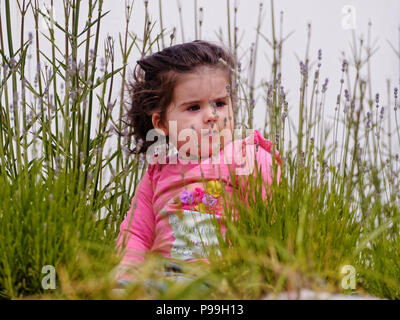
186	197
368	120
344	65
346	94
316	75
325	85
252	103
303	69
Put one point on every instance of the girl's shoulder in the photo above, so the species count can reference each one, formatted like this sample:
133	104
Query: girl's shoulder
153	169
156	166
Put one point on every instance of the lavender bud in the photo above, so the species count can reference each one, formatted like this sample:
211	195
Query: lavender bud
325	85
228	89
316	75
286	106
303	69
344	65
346	94
201	15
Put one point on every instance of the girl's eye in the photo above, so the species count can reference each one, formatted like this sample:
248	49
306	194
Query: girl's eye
196	107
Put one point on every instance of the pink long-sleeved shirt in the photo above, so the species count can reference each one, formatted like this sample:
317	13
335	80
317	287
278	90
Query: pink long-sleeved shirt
172	203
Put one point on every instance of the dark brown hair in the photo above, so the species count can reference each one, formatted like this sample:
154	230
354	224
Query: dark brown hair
154	78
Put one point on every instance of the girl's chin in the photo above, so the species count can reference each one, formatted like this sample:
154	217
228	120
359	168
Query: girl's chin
211	152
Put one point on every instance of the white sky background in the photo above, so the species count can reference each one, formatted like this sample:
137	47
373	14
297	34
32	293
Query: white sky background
327	34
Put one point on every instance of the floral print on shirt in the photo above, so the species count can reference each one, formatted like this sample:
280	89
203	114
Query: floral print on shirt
208	200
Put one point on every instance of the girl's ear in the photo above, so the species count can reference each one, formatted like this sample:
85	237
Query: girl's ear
158	126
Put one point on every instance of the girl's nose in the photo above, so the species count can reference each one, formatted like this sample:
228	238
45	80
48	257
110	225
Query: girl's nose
210	114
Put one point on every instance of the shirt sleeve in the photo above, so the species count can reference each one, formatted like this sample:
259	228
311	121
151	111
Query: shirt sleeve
137	229
259	155
265	163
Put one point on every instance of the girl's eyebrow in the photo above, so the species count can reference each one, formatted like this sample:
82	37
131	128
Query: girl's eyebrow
189	102
198	101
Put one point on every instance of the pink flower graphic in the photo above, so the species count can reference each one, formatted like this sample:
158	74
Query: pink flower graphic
198	194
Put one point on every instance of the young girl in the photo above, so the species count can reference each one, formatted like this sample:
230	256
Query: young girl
179	90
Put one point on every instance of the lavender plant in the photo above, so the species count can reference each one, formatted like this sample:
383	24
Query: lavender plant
52	159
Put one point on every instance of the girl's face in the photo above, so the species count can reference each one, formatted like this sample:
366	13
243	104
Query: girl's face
201	109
